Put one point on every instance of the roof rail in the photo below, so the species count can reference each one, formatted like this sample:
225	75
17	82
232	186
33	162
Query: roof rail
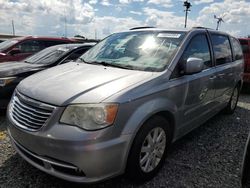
199	27
145	27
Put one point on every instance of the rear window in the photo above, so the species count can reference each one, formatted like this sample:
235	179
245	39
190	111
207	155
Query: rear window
237	49
222	49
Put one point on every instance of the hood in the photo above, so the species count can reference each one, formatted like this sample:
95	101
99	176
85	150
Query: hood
13	68
79	83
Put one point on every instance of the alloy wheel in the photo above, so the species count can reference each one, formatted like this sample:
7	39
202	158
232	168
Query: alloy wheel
152	149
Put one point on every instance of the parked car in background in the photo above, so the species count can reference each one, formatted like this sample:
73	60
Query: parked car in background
17	49
245	178
245	44
120	105
12	73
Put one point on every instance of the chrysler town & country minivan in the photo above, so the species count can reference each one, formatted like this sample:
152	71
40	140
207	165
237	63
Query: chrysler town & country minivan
118	108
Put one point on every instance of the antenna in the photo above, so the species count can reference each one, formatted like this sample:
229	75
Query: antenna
13	28
188	6
219	20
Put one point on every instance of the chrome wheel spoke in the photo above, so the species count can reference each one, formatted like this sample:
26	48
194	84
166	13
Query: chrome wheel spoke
150	140
145	149
155	135
152	149
144	159
159	153
147	164
159	138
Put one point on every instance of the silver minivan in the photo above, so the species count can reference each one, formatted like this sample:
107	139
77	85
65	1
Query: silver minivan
119	107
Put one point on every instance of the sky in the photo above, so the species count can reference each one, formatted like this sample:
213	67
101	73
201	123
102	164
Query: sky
100	18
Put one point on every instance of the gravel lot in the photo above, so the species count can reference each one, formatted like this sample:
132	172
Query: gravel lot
209	156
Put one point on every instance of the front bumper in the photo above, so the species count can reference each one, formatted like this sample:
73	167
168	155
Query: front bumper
72	154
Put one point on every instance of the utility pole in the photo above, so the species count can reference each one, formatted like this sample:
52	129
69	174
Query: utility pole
187	9
95	34
13	28
65	27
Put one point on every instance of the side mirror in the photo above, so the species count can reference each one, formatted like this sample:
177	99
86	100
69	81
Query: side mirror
194	65
15	51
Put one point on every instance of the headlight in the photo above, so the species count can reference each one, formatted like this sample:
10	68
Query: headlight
90	116
7	80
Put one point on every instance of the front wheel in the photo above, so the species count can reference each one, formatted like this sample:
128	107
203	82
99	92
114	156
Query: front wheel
149	149
232	104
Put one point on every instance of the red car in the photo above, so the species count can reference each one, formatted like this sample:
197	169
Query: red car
245	44
17	49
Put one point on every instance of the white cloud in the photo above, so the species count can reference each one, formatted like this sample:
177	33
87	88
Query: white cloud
105	3
39	17
164	3
129	1
164	19
236	15
93	1
203	1
135	12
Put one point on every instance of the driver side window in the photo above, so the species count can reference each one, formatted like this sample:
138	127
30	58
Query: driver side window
197	48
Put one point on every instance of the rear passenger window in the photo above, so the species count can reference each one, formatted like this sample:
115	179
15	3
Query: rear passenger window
222	49
49	43
30	46
198	48
237	49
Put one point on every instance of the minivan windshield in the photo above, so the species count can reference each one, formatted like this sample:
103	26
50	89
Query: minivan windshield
6	44
137	50
48	55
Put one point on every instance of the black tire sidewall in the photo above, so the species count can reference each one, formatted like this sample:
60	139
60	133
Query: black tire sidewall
134	170
228	109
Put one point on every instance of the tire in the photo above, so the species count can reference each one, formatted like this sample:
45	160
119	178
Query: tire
232	104
146	157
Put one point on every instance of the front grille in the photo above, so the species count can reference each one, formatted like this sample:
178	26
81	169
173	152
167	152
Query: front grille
29	114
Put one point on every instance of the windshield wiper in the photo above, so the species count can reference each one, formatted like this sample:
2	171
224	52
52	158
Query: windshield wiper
107	64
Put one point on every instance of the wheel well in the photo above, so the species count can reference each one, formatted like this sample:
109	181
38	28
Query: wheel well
170	118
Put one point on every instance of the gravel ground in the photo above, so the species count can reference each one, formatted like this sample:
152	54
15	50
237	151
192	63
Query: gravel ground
209	156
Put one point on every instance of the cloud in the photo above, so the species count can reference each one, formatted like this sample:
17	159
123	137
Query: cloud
235	14
164	3
129	1
135	12
165	19
203	1
93	1
39	17
105	3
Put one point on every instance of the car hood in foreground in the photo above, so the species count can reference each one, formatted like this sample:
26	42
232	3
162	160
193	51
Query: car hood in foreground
79	83
14	68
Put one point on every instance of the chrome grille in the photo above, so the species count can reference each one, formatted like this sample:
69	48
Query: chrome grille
29	114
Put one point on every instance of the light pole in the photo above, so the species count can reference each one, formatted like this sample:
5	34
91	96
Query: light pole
188	6
13	27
